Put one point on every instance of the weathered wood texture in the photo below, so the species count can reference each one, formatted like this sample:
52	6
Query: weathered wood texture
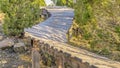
35	58
35	54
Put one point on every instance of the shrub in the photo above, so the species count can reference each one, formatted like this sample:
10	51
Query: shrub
19	14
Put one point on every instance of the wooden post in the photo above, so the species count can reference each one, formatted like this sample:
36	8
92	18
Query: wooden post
32	42
35	55
68	35
60	60
35	59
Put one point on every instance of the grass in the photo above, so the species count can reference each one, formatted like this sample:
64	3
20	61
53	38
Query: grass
102	42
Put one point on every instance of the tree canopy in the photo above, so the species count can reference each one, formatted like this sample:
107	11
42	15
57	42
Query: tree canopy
68	3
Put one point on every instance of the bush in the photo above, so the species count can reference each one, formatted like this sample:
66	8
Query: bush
19	14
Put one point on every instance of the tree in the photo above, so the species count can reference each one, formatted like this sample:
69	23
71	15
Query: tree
19	14
68	3
40	2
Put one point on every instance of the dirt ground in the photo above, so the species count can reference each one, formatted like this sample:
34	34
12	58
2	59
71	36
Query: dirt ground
10	59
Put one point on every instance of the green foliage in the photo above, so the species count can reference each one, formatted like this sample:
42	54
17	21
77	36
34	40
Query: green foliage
68	3
117	29
105	51
83	12
19	14
40	2
99	23
93	44
87	36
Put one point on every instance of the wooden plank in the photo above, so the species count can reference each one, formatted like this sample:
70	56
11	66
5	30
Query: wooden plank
35	58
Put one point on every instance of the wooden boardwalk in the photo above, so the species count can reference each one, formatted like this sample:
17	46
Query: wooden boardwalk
55	27
53	31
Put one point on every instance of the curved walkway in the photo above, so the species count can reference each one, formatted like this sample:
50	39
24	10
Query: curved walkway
53	31
55	27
